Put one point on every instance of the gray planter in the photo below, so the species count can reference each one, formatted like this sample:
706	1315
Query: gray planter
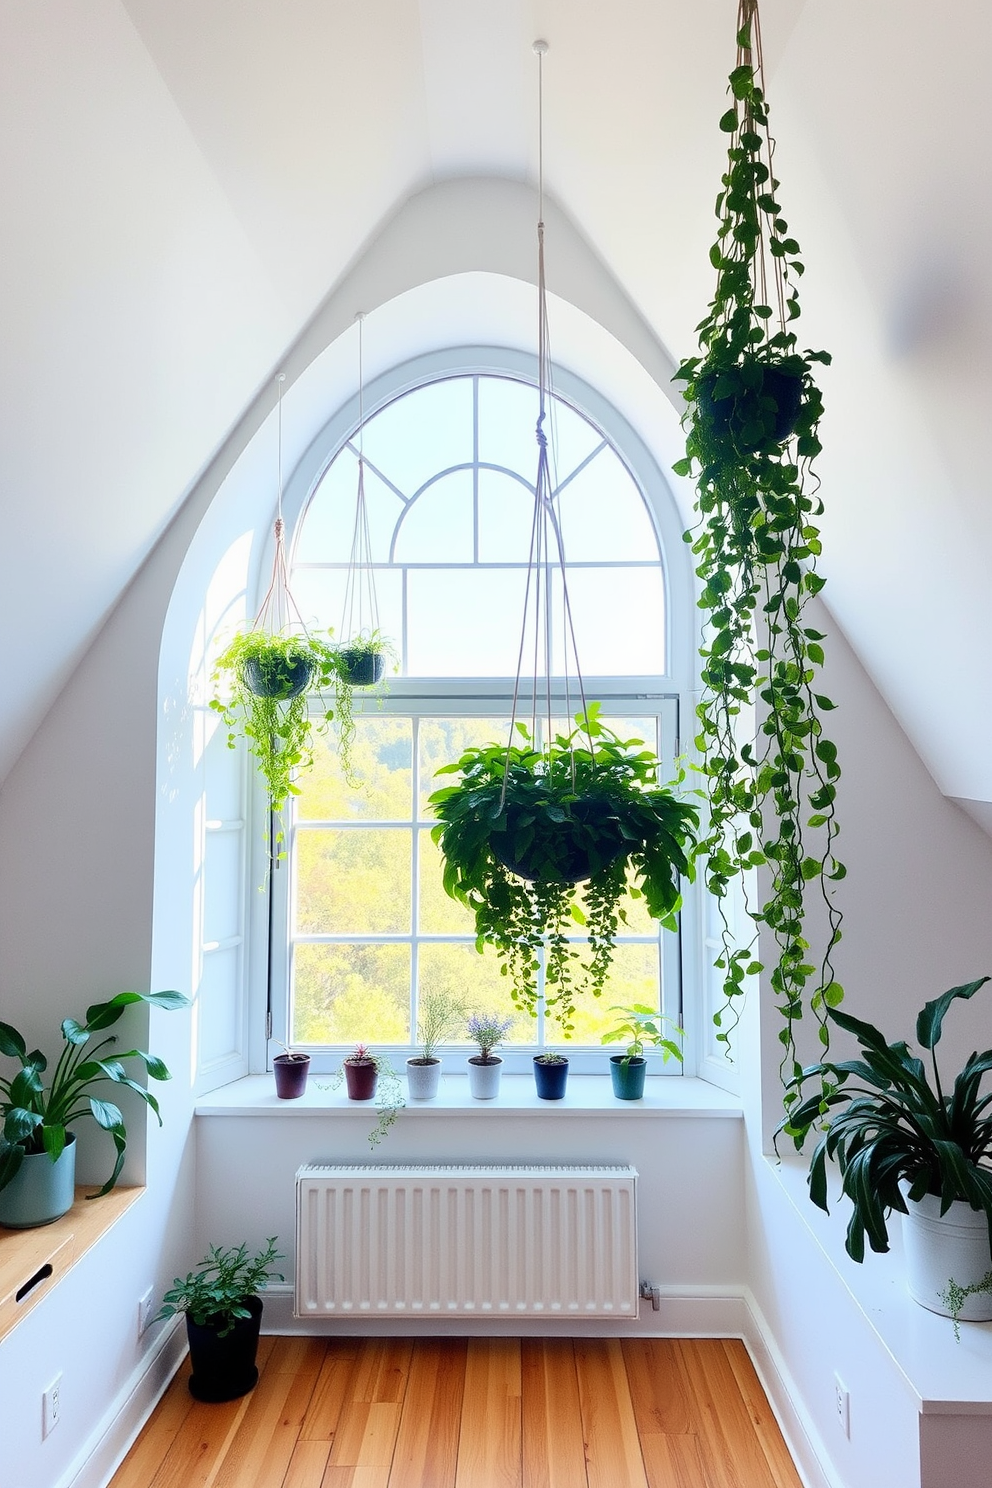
41	1191
423	1078
483	1077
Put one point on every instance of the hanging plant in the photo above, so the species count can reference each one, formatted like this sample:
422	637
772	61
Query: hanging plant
525	827
361	663
752	426
267	681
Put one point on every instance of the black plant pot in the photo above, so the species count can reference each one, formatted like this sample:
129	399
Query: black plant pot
563	854
278	677
362	668
550	1078
745	416
291	1075
224	1368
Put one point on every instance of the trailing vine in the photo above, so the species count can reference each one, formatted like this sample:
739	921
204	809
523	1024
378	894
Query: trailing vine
752	427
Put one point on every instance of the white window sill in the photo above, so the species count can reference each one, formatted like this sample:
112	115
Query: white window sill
585	1095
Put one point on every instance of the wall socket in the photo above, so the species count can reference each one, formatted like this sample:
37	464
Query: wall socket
842	1405
145	1311
51	1406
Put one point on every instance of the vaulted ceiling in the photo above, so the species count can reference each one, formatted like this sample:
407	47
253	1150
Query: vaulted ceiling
182	184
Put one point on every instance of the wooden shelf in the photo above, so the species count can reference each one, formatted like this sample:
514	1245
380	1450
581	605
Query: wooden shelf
32	1262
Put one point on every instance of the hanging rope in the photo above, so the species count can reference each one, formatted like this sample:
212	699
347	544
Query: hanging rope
360	600
278	611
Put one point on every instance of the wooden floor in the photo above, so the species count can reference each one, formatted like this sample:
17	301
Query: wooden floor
473	1413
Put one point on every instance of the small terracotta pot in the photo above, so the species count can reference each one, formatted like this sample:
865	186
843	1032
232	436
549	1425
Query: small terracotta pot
291	1072
360	1077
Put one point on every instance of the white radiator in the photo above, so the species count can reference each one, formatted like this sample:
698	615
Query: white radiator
461	1241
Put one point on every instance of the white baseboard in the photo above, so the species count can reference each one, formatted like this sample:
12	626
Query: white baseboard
108	1444
801	1436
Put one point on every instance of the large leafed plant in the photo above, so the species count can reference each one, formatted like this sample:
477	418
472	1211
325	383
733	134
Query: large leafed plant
752	424
541	842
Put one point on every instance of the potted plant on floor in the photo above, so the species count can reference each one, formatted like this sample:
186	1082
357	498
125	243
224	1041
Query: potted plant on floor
37	1147
223	1316
484	1069
550	1075
903	1141
752	432
439	1015
641	1027
267	681
370	1076
290	1070
524	827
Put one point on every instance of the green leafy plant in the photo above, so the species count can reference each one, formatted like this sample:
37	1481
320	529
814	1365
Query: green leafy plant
438	1016
954	1296
215	1294
487	1030
267	681
350	658
888	1124
641	1027
37	1116
525	826
752	433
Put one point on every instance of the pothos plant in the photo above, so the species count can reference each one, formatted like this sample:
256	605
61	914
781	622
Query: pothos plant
525	827
267	680
752	426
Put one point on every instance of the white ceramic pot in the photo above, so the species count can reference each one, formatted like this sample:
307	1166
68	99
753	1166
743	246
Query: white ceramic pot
483	1077
423	1078
939	1250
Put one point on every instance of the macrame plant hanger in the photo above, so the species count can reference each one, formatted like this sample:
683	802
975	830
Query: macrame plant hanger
360	611
278	613
547	548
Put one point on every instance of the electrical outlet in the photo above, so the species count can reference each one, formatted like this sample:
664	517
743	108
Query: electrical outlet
842	1404
51	1406
145	1311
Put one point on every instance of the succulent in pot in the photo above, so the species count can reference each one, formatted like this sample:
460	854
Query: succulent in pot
640	1027
550	1075
370	1076
37	1147
524	826
290	1069
904	1141
223	1316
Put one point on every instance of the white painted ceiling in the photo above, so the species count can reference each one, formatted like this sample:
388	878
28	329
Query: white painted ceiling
183	182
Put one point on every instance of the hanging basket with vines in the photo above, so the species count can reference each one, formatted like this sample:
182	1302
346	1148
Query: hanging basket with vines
752	426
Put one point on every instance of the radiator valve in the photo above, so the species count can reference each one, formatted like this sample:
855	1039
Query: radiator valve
654	1292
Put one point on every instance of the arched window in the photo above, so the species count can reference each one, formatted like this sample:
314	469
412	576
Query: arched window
449	470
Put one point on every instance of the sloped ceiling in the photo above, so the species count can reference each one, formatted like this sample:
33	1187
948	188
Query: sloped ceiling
182	183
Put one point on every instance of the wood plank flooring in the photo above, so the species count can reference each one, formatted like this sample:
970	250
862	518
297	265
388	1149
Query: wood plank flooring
473	1413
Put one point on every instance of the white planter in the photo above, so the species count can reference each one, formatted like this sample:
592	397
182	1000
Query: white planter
423	1079
939	1250
483	1079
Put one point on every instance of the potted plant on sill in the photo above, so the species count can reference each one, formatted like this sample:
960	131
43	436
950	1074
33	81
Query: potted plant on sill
642	1027
525	826
223	1317
903	1142
37	1147
550	1075
439	1015
290	1070
752	432
267	680
369	1076
484	1069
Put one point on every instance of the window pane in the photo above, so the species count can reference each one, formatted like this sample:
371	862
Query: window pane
382	756
603	515
346	993
439	913
353	882
443	741
507	424
506	516
634	977
439	526
465	622
422	432
618	615
320	595
461	972
328	525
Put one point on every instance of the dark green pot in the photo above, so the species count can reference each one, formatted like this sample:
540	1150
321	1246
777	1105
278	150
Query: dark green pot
628	1076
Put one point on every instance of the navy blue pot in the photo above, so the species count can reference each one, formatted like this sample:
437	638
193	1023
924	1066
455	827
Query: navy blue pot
550	1078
